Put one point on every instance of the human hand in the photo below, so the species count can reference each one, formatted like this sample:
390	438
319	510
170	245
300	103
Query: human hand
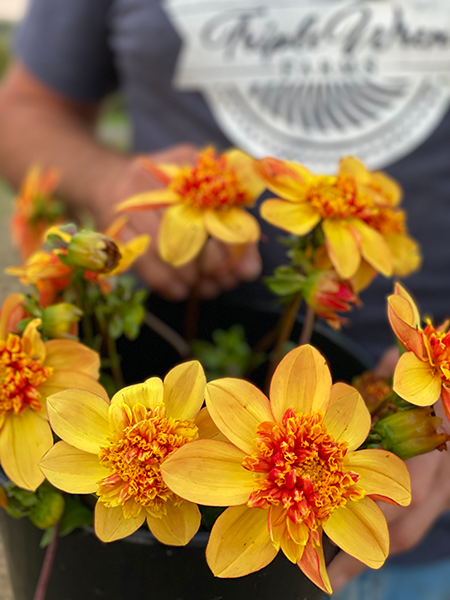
218	267
430	488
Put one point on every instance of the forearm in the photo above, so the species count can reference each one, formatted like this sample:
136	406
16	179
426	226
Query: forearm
35	131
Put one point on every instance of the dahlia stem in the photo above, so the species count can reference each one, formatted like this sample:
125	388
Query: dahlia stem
191	317
284	335
308	326
47	566
168	334
114	357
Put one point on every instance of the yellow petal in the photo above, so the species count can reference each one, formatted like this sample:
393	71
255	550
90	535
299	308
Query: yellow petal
24	439
32	341
61	380
347	417
80	418
296	217
182	234
354	168
416	381
110	523
149	394
207	429
405	253
9	305
403	322
360	529
208	472
239	542
291	550
184	390
286	179
386	187
130	252
150	199
178	526
71	470
401	291
342	246
381	474
374	247
363	277
244	167
237	407
67	354
232	226
313	566
302	380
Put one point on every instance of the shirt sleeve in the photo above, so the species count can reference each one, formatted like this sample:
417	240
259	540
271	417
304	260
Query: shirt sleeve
65	44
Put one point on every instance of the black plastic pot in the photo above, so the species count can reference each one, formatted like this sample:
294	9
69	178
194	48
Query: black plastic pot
139	566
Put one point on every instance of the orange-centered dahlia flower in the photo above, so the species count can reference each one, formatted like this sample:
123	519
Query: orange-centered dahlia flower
31	370
116	451
357	209
422	374
209	198
289	472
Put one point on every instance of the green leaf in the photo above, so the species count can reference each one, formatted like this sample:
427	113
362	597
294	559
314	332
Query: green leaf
115	326
132	321
75	515
47	537
286	281
49	508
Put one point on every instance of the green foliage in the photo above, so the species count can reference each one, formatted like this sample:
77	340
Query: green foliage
228	355
286	281
44	507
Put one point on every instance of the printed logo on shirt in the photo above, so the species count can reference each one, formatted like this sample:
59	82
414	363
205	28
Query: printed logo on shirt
312	80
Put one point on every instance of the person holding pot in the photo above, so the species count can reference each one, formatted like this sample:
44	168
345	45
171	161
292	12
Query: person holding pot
304	82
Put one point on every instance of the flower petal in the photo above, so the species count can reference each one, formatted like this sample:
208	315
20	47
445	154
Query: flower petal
416	381
149	394
313	566
232	226
374	247
178	526
208	472
381	474
286	179
403	322
445	394
207	429
302	380
9	306
405	253
110	523
32	341
60	380
182	234
342	247
360	529
240	543
347	417
296	217
150	199
80	418
66	354
24	439
184	390
244	167
237	407
71	470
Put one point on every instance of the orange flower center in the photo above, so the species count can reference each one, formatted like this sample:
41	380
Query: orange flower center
20	376
135	456
338	197
211	183
300	468
438	348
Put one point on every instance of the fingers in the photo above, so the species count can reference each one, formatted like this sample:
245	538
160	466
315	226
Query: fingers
342	569
387	363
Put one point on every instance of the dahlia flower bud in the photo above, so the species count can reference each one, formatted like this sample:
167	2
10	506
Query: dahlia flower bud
60	320
409	433
48	510
327	294
93	251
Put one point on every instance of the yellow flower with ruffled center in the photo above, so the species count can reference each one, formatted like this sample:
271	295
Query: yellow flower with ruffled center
31	370
289	472
358	211
116	450
422	374
207	199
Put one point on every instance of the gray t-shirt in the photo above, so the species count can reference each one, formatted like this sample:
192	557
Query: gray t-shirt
88	48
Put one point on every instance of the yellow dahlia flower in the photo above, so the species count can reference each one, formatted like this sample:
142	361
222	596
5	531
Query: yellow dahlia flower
208	199
31	370
289	472
357	209
116	451
422	374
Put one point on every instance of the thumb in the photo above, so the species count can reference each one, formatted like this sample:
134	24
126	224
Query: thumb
342	569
